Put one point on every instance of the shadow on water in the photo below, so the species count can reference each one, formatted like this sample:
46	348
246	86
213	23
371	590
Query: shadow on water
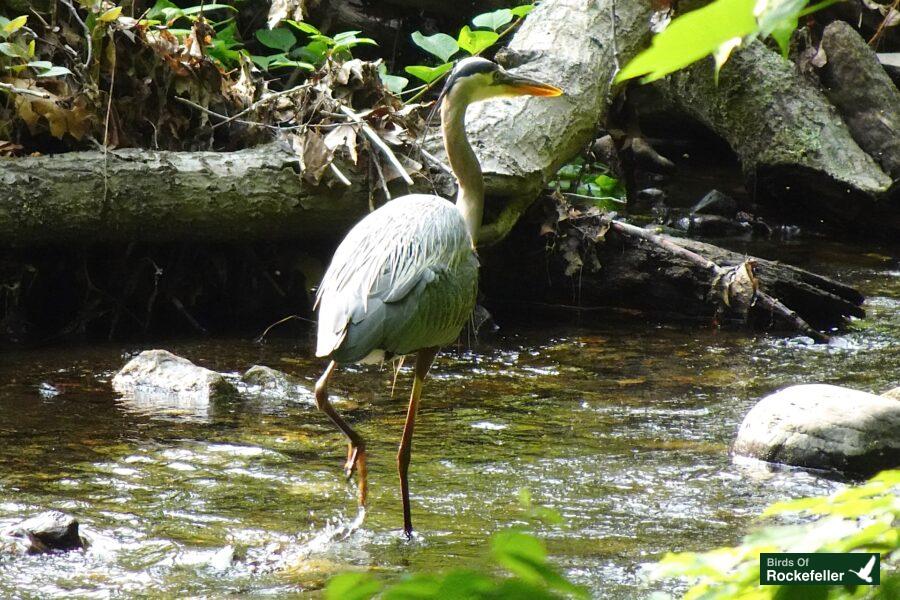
622	427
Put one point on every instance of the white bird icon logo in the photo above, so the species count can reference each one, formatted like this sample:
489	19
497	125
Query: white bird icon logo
866	572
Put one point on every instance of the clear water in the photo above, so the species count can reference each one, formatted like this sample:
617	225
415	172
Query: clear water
622	427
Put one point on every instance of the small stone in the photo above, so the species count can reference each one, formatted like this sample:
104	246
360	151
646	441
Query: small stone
270	382
716	203
48	531
824	427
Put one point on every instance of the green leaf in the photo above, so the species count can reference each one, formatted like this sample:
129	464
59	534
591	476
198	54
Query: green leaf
285	62
40	64
352	586
428	74
15	24
525	556
55	72
157	11
314	52
440	45
278	39
475	42
205	8
394	83
692	36
493	20
110	15
13	50
263	62
419	587
521	11
304	27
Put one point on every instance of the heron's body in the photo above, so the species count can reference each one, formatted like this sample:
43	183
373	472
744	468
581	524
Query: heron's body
404	280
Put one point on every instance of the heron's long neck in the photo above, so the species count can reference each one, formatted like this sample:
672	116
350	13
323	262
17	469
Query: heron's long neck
470	197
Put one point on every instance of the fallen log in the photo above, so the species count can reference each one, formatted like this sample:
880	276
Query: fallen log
144	195
585	263
794	149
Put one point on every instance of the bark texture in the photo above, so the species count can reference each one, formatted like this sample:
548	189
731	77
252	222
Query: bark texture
142	195
793	146
857	84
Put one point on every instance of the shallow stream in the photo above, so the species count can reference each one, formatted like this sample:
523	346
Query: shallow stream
622	427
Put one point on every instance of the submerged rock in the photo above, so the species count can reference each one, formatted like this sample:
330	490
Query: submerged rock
823	427
158	379
270	382
47	532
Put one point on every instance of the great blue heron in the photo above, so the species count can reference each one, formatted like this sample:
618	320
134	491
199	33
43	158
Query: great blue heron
404	280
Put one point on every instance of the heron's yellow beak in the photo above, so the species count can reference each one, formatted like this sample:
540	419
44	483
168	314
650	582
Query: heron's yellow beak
524	86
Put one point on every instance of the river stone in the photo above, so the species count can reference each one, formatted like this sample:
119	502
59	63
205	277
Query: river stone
823	427
46	532
160	379
273	383
893	394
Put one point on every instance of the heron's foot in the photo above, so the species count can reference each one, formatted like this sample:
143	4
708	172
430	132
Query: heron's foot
356	461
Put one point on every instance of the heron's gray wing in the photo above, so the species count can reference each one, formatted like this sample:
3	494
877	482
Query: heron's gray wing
386	257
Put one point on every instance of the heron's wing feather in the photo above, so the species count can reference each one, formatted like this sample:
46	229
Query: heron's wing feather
390	257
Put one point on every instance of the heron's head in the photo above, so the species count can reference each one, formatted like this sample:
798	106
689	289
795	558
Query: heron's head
474	79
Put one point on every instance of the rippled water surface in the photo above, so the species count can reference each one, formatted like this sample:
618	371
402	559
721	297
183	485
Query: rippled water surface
622	427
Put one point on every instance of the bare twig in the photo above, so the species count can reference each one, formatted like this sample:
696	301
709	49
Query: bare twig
261	102
88	39
381	179
24	91
884	23
379	143
436	161
340	176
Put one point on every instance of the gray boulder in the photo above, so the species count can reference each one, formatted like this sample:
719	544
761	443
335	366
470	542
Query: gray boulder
823	427
157	380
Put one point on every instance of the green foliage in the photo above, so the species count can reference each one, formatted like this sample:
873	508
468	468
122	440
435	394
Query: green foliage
470	41
17	51
520	554
317	49
858	519
476	42
166	12
592	182
440	45
717	29
493	20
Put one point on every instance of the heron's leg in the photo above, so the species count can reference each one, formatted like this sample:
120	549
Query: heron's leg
356	450
423	362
